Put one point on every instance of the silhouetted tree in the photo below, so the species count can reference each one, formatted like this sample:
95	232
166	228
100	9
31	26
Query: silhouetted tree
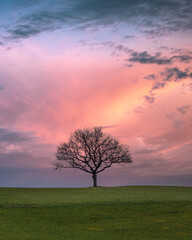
91	151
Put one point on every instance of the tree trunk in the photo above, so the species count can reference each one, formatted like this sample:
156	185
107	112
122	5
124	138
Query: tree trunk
94	180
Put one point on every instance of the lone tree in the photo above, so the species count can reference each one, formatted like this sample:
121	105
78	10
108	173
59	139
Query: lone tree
91	151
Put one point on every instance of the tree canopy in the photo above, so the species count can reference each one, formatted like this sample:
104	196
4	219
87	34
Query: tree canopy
92	151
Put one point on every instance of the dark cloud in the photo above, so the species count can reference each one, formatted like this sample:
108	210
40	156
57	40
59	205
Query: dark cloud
122	48
146	58
182	58
180	51
24	31
174	74
180	54
168	75
183	109
152	17
129	36
149	99
140	57
26	4
150	77
10	135
162	79
158	85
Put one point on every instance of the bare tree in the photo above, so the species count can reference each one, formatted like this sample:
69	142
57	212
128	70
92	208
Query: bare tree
91	151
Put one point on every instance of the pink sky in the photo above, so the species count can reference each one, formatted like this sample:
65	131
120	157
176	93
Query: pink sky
135	84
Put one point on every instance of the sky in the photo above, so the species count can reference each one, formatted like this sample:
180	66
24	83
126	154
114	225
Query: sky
124	65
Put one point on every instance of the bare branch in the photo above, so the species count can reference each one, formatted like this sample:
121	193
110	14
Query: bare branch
92	151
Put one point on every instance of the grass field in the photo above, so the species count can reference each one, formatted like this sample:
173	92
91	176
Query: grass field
135	212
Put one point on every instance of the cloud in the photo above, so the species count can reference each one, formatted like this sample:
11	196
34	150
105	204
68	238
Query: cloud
158	85
161	155
10	135
183	109
129	36
138	110
24	149
168	75
152	17
149	99
146	58
110	126
141	57
25	31
146	147
180	51
116	48
182	58
150	77
161	79
122	48
174	74
177	122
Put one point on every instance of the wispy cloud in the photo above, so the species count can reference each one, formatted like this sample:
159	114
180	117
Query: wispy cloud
138	110
132	56
163	78
183	109
13	136
110	126
177	122
76	64
154	16
20	148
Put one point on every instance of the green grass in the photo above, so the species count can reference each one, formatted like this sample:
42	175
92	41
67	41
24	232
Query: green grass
135	212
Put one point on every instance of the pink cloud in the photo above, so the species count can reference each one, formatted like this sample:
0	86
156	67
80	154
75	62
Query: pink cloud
54	95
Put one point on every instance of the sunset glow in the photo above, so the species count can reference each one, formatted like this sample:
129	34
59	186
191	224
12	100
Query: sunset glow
123	65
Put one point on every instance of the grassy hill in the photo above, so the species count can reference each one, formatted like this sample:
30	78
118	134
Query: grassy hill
134	212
